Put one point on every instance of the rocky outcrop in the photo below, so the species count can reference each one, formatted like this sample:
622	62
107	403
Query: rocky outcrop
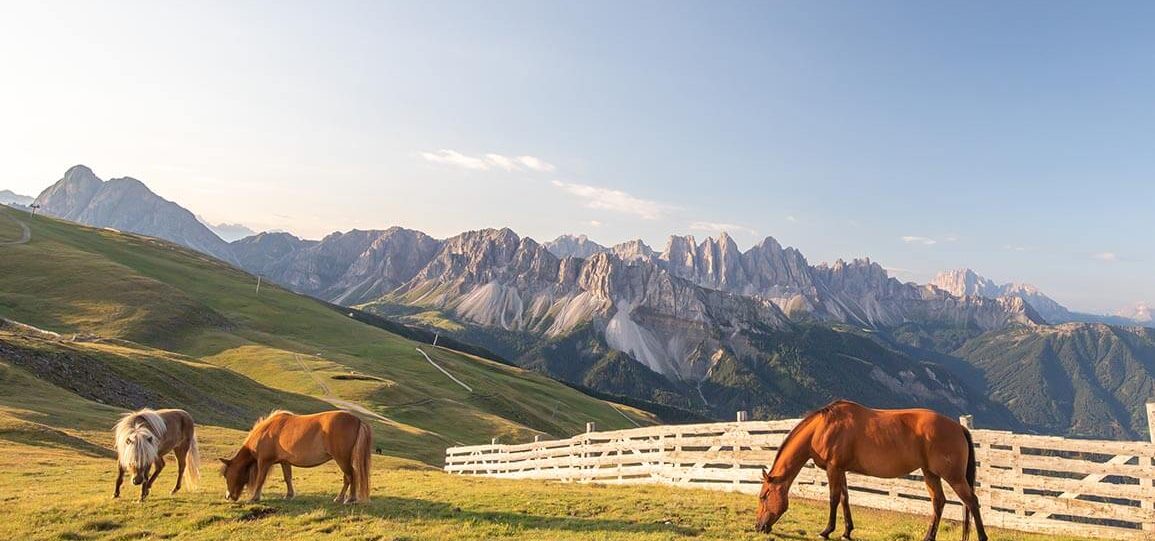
126	204
346	268
573	246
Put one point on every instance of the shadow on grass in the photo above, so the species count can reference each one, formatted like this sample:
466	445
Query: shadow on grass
404	509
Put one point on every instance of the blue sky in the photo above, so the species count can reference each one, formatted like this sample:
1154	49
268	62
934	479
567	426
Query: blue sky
1014	138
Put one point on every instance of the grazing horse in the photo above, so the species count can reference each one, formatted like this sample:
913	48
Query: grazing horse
847	437
304	441
144	437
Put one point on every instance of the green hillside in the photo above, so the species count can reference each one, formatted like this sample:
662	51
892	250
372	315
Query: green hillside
194	333
1082	379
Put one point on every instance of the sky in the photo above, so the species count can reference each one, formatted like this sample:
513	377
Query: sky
1015	138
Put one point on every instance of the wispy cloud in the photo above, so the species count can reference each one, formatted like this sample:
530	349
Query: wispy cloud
594	223
914	239
791	218
615	200
488	162
1109	257
1017	248
714	227
897	270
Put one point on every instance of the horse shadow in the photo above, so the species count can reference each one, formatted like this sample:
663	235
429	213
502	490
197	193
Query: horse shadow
401	509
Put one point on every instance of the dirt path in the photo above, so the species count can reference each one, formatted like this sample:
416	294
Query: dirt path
347	405
25	233
443	371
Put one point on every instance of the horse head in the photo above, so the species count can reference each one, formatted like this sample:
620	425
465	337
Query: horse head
238	471
773	500
138	450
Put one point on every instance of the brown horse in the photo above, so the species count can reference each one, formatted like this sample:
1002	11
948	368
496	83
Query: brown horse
846	437
305	441
144	437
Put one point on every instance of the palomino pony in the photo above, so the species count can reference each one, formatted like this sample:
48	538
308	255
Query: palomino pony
846	437
305	441
144	437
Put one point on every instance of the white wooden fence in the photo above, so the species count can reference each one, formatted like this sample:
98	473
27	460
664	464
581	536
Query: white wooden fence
1031	483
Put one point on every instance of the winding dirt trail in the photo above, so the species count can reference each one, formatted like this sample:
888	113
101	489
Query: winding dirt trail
25	233
327	396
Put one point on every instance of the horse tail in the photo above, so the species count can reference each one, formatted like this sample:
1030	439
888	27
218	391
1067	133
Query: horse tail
971	471
192	471
361	460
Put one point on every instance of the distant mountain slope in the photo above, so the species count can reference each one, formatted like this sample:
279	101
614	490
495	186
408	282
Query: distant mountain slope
966	282
112	287
8	197
1074	378
228	232
126	204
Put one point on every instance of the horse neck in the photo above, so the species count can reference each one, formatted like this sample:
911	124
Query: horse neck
794	453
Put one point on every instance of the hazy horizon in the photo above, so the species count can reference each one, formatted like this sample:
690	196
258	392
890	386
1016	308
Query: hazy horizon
996	137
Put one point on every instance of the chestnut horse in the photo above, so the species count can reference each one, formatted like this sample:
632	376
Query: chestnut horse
143	438
847	437
305	441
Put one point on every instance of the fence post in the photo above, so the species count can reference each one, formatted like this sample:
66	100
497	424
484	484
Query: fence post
982	482
743	416
1148	525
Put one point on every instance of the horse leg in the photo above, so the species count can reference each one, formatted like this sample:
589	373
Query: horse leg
288	471
180	466
937	499
967	494
146	487
119	479
347	469
846	508
262	475
832	476
344	488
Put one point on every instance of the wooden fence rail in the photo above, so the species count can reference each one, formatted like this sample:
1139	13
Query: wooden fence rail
1030	483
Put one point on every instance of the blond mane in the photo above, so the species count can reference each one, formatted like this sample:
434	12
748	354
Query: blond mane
138	436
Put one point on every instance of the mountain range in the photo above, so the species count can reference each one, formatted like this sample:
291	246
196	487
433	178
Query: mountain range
701	326
8	197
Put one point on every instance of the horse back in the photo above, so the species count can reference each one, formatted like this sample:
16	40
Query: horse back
305	440
889	443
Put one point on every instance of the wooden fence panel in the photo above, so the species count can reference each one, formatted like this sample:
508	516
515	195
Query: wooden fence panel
1025	482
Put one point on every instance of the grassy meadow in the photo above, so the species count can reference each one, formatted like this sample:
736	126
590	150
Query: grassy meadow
56	492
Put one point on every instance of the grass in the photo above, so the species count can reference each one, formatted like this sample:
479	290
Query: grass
53	493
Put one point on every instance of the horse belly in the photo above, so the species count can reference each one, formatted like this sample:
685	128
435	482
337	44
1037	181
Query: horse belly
306	452
885	464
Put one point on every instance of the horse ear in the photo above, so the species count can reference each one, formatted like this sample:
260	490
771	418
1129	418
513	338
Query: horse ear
765	475
224	461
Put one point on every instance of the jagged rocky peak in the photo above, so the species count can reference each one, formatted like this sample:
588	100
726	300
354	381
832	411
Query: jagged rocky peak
963	282
479	257
634	250
573	245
